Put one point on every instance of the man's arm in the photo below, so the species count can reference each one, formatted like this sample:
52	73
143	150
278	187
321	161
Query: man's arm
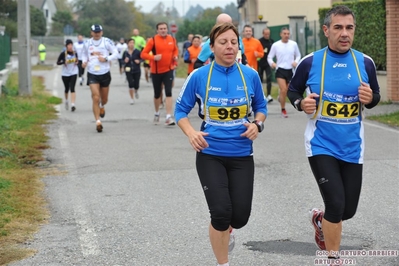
145	53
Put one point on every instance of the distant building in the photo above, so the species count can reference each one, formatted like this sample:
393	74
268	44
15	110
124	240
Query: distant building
48	8
276	12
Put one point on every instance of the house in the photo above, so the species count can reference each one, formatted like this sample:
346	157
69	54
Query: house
276	12
48	8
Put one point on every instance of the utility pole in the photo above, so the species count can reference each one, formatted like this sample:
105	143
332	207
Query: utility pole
24	60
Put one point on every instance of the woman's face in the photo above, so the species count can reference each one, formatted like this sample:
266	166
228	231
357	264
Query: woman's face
225	48
130	44
69	47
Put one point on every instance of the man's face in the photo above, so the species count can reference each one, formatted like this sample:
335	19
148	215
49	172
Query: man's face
341	32
266	34
162	30
247	32
285	35
96	35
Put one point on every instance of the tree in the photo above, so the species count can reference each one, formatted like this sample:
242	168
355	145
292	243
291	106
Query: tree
37	22
9	17
193	12
60	20
232	10
210	13
63	5
144	22
114	15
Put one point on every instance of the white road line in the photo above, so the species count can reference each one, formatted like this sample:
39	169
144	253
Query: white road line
381	127
86	232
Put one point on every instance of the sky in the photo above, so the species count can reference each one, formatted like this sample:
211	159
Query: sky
180	5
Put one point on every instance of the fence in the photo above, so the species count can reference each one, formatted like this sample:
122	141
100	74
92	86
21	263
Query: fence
5	51
54	45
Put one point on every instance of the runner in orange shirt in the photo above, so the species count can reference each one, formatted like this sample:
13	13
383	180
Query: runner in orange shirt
192	52
165	55
253	47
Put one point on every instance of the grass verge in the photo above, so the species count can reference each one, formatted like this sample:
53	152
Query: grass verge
391	119
22	141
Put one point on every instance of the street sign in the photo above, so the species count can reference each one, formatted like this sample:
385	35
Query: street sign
173	28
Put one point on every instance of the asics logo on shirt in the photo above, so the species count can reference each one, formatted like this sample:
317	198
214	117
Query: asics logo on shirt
214	88
339	65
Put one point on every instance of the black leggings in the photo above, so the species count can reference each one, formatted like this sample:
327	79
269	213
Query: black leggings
81	69
133	79
228	187
340	184
164	78
266	69
69	83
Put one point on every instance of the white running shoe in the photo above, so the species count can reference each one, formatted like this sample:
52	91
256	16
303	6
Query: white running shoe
169	121
269	98
66	105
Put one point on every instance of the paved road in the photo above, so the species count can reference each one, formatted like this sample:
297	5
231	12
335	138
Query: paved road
131	196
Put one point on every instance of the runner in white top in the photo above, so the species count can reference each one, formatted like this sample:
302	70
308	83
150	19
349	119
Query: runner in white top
97	55
78	47
69	61
121	46
287	54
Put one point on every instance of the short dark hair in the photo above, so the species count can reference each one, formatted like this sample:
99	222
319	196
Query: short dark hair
338	10
284	28
221	28
247	26
195	37
162	23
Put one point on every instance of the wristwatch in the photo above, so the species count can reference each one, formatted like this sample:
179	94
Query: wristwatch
106	59
297	104
259	124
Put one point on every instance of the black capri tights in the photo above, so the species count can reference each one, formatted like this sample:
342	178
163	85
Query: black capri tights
164	78
227	183
133	79
340	184
69	83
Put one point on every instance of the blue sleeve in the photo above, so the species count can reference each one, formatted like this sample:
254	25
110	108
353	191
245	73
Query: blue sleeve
373	82
206	52
299	80
372	74
298	83
187	56
186	99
